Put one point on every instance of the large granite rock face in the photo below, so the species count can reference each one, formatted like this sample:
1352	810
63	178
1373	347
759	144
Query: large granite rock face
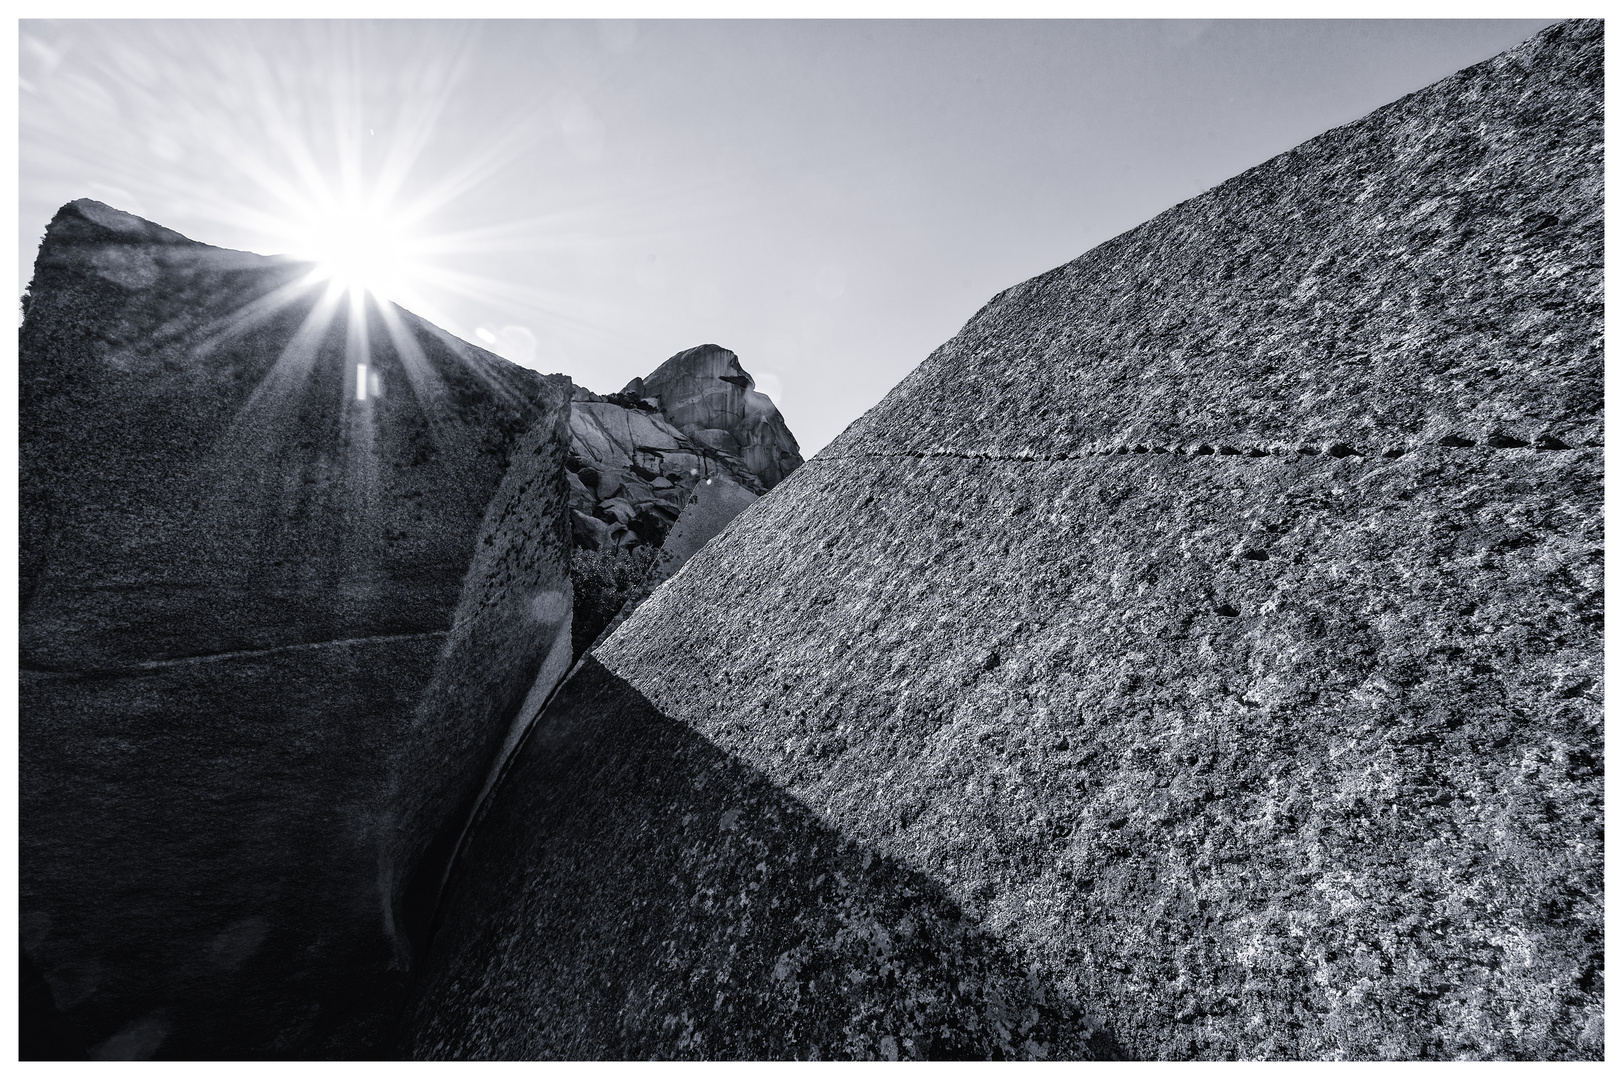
1199	656
274	629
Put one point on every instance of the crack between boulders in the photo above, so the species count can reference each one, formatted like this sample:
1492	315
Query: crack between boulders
205	658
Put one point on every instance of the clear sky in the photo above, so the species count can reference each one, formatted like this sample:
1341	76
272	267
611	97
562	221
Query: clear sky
831	200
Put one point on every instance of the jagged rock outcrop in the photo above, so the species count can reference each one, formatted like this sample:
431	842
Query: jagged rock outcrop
711	399
275	628
634	467
630	472
710	509
1198	656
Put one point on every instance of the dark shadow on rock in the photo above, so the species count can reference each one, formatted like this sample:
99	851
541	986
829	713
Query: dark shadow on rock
240	578
43	1033
634	892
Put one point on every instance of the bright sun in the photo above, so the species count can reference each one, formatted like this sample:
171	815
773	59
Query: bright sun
357	248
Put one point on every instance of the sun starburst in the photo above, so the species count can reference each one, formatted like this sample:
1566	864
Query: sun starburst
359	247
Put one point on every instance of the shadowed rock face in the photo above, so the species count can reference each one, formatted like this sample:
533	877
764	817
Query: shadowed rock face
1213	624
727	922
245	631
710	509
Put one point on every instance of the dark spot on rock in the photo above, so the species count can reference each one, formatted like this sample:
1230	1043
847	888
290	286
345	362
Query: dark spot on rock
1116	821
1395	452
1550	442
1227	451
1505	442
1341	450
1576	689
1228	611
1539	222
1455	441
1205	450
1257	554
1255	452
1308	450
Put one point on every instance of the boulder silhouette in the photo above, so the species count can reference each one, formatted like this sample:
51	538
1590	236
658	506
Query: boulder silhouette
1196	657
279	615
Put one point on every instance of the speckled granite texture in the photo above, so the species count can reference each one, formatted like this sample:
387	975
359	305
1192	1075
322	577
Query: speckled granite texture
243	611
1208	637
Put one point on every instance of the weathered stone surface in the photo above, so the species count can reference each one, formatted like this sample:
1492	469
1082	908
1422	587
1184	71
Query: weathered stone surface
508	648
656	885
631	472
705	393
616	593
710	509
1283	741
239	584
629	465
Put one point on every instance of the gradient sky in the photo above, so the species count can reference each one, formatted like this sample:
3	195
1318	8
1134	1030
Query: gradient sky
831	200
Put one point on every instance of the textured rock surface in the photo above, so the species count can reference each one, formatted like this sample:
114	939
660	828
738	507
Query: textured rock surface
710	509
508	647
705	393
1213	627
238	588
631	472
725	921
617	454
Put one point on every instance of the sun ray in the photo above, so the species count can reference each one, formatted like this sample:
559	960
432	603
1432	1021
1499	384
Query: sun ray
255	312
260	421
336	161
424	380
471	358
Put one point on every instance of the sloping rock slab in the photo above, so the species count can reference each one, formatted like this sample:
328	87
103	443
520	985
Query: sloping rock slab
691	909
1425	273
1283	741
710	509
238	580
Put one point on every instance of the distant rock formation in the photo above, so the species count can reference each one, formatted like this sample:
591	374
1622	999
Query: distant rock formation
705	393
638	458
280	614
1197	657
